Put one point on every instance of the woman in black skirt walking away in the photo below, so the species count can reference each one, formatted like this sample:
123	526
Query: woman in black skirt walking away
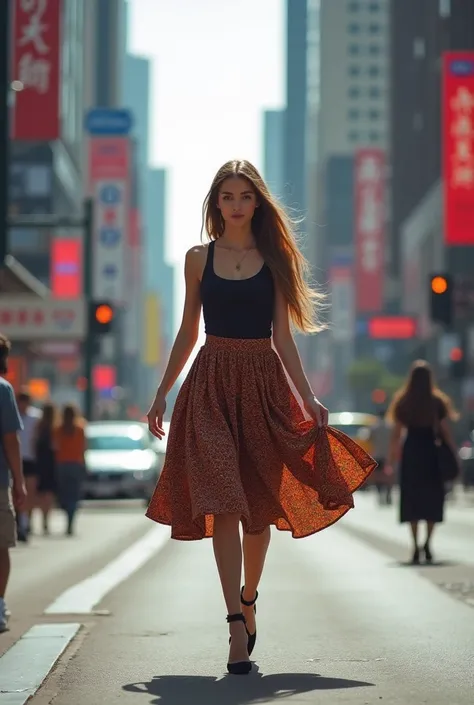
422	412
240	450
46	463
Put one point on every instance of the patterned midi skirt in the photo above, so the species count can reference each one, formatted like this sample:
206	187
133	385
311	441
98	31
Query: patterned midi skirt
239	443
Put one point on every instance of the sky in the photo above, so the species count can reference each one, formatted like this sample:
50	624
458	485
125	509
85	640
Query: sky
216	66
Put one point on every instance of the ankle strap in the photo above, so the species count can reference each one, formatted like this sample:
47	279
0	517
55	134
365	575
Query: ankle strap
248	603
239	617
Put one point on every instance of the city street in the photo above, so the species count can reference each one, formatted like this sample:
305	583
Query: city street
338	612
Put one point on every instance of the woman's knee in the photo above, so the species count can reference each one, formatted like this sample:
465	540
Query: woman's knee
226	522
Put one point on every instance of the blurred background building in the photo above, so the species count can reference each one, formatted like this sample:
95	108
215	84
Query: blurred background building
366	124
52	163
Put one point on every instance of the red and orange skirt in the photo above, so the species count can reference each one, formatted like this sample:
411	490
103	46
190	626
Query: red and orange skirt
239	443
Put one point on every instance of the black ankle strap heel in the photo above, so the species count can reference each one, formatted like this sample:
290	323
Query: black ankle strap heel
239	668
252	638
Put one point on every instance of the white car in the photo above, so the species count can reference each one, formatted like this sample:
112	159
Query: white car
122	460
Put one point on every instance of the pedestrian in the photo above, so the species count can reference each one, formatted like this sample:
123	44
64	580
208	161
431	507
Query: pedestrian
420	412
11	473
29	417
379	437
70	445
46	463
240	449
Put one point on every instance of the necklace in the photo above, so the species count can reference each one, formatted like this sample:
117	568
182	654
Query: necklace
238	265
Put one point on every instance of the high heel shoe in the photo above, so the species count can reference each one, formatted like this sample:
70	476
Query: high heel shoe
427	552
252	638
238	668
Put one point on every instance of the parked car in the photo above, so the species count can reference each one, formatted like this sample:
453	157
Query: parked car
121	460
466	454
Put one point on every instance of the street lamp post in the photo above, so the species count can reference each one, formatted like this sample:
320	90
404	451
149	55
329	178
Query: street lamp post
4	123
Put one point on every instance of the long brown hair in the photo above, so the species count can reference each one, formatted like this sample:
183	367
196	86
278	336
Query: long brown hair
70	419
419	402
48	418
276	242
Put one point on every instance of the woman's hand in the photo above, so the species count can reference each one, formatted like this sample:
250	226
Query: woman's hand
317	411
155	416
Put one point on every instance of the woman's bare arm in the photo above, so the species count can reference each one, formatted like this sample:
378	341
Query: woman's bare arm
189	329
394	445
286	347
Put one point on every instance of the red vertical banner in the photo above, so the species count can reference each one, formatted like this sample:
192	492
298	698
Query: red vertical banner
369	229
66	268
36	69
458	147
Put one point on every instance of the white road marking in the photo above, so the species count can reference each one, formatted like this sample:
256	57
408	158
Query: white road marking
24	667
83	597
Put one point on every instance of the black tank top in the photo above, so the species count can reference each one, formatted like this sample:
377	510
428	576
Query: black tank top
237	308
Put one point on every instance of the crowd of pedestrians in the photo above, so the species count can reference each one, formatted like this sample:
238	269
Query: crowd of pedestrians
42	465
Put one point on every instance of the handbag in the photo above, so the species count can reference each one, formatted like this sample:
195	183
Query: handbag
446	460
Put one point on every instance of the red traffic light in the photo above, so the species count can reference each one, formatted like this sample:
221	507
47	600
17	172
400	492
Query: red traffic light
104	314
456	355
439	285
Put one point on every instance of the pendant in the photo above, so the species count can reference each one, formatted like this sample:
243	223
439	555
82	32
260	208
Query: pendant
237	266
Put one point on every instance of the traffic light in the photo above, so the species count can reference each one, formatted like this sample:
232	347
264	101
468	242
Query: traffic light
457	363
101	317
441	299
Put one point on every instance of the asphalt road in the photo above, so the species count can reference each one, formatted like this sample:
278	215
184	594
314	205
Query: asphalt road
341	617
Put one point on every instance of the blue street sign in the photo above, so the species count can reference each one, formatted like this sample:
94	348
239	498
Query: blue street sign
110	194
110	237
110	271
108	121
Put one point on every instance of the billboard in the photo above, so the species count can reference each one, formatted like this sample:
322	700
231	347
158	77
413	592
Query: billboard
66	268
369	229
26	317
109	170
458	147
36	69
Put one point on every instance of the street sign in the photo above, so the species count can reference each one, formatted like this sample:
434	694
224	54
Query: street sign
26	317
108	121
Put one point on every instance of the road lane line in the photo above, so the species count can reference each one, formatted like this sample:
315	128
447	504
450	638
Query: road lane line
26	664
83	597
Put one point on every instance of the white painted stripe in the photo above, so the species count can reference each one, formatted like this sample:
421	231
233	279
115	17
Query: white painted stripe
24	667
83	597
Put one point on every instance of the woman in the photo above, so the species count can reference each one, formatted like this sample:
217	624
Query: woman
70	444
239	447
422	411
46	462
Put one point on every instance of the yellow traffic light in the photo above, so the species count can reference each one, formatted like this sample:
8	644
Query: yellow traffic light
439	285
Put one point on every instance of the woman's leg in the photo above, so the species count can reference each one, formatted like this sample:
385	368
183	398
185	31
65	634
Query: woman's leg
430	525
228	554
46	503
255	547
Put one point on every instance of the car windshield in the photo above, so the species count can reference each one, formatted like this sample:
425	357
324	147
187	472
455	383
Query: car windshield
116	442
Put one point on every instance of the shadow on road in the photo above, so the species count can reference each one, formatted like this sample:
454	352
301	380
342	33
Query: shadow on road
235	690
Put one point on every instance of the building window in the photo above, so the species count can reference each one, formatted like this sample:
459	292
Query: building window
375	50
353	49
374	7
374	92
354	71
353	28
354	136
354	92
374	28
374	71
374	136
353	6
374	114
353	114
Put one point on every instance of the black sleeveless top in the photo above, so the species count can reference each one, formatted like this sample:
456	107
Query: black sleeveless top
237	308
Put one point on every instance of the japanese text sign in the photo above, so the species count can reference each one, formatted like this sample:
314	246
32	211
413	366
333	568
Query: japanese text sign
369	228
458	147
36	69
